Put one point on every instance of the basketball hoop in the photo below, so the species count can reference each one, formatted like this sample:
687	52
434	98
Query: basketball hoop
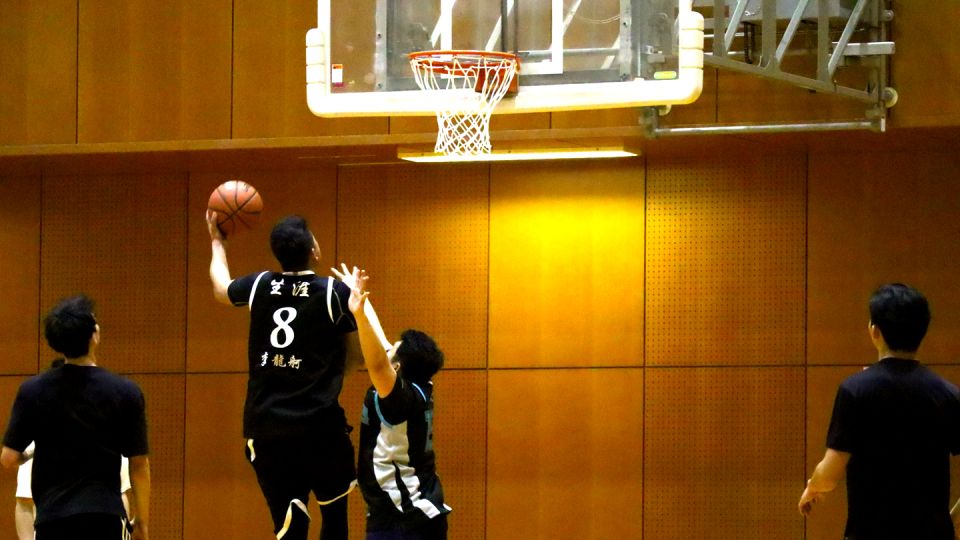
473	83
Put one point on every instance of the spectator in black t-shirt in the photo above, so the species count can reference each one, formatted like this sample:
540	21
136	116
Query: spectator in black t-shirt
83	419
397	465
894	426
302	339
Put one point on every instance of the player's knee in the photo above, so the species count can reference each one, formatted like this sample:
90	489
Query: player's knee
297	522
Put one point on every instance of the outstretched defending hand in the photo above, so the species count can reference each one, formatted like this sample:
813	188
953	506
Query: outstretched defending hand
357	281
215	233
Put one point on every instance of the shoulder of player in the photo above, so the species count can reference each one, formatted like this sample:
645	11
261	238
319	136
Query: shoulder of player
120	382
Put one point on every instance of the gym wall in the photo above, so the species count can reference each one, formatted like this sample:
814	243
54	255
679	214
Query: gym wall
637	348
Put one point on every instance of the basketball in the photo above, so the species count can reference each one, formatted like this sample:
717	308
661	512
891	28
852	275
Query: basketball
237	204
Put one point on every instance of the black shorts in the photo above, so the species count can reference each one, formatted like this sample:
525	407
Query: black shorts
288	469
105	526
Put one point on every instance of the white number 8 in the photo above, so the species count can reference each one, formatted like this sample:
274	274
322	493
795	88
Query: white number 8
283	317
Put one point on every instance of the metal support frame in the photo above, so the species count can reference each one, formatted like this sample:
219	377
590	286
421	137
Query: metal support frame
828	54
729	16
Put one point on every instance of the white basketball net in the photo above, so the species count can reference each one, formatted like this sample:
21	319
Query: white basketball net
473	83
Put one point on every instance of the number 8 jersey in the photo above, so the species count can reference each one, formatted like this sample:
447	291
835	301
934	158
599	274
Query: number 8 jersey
296	352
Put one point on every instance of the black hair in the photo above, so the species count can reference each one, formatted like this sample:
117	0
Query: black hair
70	325
419	356
902	315
292	243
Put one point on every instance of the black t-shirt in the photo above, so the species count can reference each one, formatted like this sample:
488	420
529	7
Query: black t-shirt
296	352
396	467
83	418
900	422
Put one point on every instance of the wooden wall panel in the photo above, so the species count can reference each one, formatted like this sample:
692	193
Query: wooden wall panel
566	264
269	78
165	423
217	334
744	98
154	71
355	386
877	218
926	69
421	234
121	240
723	453
38	71
8	480
220	488
20	266
460	436
565	454
725	259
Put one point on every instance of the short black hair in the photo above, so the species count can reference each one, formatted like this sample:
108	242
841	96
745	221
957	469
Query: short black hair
69	326
419	356
902	315
292	242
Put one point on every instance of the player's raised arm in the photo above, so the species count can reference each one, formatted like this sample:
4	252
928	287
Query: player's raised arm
373	341
219	270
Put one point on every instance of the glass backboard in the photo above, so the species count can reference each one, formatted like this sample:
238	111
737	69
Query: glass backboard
574	54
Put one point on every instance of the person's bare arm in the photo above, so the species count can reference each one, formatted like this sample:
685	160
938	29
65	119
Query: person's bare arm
372	339
828	474
11	458
219	269
140	491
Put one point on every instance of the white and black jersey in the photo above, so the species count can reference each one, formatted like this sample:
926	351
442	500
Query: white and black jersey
296	352
396	468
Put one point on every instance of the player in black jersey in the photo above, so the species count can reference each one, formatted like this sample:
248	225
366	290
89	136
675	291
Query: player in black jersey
893	429
397	466
83	419
302	340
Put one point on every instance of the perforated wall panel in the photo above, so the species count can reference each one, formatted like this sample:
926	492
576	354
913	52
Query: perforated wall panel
725	261
566	264
877	218
421	232
217	334
122	240
355	386
220	489
459	434
565	454
20	268
723	453
165	424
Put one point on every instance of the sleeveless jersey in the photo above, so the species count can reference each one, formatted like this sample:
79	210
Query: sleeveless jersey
296	352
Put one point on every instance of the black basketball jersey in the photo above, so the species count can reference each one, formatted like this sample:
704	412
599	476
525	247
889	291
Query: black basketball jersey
396	467
296	352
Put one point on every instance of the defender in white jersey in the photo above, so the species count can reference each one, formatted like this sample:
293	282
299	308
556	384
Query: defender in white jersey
397	466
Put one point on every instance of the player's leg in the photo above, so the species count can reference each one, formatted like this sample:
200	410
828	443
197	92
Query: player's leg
333	479
280	470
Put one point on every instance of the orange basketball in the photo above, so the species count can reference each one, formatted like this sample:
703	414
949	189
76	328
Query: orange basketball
237	204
